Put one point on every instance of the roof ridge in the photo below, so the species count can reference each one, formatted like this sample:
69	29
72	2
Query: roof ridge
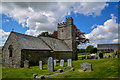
23	34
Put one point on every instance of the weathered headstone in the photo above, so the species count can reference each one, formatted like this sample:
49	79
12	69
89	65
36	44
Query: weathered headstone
34	75
26	64
113	56
62	62
50	64
118	56
55	63
86	66
40	65
109	56
98	57
69	62
105	56
60	70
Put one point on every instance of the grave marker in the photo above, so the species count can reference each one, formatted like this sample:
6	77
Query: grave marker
50	64
40	65
69	62
62	62
55	63
26	64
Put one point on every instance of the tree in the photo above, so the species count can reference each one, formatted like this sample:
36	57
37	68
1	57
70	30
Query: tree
80	36
55	33
81	50
46	34
90	49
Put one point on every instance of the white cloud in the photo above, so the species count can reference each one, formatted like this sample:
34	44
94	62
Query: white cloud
106	33
3	36
44	16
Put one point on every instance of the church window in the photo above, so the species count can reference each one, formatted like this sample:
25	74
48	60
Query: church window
10	50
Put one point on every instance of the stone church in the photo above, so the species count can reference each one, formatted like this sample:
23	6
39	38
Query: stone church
21	47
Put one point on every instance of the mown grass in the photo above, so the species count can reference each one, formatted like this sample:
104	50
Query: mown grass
102	68
8	72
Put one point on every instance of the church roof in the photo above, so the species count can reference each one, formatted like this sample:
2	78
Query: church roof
30	42
41	43
56	44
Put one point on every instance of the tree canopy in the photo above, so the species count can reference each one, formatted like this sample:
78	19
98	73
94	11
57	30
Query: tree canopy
46	34
90	49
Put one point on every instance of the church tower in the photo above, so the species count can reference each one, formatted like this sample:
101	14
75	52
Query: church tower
66	32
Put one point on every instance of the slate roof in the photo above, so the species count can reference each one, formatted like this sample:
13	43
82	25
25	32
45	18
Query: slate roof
56	44
30	42
41	43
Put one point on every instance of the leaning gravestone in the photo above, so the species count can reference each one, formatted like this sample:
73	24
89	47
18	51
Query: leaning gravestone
55	62
50	64
40	65
86	66
113	56
69	62
26	64
62	63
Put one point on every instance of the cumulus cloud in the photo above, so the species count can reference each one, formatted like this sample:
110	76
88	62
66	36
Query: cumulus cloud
3	36
44	16
106	33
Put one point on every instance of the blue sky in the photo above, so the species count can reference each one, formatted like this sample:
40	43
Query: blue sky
85	15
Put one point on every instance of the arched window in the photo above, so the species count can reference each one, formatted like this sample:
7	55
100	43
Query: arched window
10	50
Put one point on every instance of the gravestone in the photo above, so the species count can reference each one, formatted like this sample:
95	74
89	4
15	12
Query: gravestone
86	66
55	62
35	75
26	64
50	64
69	62
40	65
109	56
117	55
62	62
113	56
105	56
98	57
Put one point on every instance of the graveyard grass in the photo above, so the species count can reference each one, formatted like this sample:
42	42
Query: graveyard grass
102	68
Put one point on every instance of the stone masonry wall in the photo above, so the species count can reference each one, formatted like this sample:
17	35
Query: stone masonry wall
34	56
13	61
66	32
62	55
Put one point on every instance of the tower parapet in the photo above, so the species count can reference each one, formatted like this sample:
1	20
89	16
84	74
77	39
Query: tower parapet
61	25
66	32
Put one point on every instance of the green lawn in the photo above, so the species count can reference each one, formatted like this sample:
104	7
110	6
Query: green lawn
102	68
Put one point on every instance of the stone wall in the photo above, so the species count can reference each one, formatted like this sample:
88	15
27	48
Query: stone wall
66	32
34	56
13	61
62	55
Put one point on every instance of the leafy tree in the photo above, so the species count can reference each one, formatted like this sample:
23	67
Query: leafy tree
46	34
90	49
81	50
95	50
80	36
55	33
